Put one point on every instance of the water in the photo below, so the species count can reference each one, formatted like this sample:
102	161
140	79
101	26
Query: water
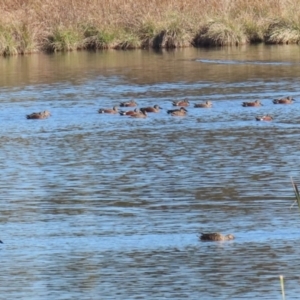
110	207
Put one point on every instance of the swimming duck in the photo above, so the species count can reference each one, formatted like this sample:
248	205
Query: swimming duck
39	115
264	118
155	109
128	103
128	113
140	114
254	103
177	112
216	236
287	100
113	110
184	102
206	104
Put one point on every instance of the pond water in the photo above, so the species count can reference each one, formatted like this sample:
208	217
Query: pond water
98	206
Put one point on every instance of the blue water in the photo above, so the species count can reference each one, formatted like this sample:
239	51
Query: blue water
109	207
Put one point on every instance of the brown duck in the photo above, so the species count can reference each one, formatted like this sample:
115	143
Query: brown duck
140	114
287	100
113	110
216	236
155	109
131	103
177	112
254	103
264	118
39	115
206	104
184	102
128	113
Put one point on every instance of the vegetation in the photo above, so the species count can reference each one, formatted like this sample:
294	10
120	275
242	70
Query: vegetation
28	26
282	287
296	191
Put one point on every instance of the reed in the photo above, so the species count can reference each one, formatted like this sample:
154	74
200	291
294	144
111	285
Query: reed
282	287
17	39
7	45
296	191
64	25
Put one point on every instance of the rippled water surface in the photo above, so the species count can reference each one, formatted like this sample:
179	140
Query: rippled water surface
101	206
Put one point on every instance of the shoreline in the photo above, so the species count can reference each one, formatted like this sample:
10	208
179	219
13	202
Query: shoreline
67	25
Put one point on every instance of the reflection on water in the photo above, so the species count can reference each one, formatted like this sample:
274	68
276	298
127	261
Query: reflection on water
109	206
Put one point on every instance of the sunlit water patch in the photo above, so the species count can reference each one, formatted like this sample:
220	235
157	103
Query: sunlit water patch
244	62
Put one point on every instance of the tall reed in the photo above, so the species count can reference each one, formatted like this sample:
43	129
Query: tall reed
296	192
62	25
282	287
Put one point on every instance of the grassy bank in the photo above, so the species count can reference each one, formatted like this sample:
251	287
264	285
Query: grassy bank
28	26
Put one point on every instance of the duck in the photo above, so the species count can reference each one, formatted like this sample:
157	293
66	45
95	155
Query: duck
287	100
155	109
184	102
140	114
128	113
264	118
130	103
113	110
39	115
254	103
216	236
206	104
177	112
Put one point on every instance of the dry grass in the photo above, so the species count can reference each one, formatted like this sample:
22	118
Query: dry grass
62	25
283	32
221	33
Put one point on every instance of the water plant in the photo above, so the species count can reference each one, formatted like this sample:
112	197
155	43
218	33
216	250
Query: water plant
296	191
282	287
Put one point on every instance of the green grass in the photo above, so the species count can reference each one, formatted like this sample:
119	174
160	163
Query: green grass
97	38
146	31
8	45
63	39
127	40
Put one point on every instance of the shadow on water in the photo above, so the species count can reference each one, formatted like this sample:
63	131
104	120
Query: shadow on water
110	205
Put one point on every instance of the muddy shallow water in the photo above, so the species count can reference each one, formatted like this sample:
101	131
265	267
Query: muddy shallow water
109	207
